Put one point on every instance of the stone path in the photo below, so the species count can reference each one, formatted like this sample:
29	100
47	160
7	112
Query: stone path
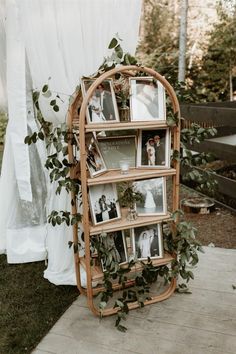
203	322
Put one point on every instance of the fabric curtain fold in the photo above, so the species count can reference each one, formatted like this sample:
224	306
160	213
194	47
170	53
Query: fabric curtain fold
63	41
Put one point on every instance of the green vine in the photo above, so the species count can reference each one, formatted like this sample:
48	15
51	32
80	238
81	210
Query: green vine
179	237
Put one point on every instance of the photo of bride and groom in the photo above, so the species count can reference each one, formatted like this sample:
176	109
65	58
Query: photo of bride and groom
102	107
103	203
153	148
148	242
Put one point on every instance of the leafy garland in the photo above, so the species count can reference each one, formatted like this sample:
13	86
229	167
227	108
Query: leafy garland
182	242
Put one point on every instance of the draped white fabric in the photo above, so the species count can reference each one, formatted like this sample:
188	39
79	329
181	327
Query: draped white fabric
3	93
64	40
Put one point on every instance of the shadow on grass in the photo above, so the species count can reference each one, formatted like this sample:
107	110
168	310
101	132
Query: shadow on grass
29	305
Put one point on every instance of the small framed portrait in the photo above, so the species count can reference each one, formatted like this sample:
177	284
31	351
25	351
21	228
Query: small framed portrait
116	149
154	148
129	244
114	242
148	242
154	196
147	99
103	203
102	107
95	162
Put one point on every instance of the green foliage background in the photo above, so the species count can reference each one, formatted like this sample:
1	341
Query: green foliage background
209	77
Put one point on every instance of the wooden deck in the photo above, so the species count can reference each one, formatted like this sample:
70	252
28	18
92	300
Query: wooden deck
203	322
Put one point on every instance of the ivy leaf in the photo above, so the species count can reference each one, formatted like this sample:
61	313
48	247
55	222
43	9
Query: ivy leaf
41	135
53	102
56	108
113	43
119	52
45	88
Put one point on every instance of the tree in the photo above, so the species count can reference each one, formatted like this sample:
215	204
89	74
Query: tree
219	64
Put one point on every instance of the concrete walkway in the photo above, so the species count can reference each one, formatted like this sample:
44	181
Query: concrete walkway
203	322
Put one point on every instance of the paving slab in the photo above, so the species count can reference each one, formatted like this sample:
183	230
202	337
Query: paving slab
203	322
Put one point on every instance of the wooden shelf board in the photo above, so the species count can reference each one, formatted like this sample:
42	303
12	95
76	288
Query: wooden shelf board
134	174
124	125
97	273
123	223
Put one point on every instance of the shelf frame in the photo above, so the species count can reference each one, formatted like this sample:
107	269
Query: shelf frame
83	128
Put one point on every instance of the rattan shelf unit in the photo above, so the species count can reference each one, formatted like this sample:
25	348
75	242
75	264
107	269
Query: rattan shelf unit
78	124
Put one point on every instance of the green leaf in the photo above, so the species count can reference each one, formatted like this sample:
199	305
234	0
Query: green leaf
56	108
113	43
121	328
45	88
102	305
41	135
119	51
53	102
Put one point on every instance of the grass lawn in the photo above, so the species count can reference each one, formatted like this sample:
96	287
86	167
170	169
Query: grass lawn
29	305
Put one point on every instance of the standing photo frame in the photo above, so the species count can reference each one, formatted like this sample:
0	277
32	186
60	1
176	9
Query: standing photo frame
154	148
147	99
154	197
95	161
115	243
116	149
102	106
103	203
148	242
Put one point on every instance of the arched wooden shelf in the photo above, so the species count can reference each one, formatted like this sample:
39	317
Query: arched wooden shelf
78	124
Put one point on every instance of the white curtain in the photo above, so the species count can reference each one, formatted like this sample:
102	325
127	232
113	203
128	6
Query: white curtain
64	40
3	93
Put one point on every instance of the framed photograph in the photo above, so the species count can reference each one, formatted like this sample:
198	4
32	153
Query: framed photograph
129	244
103	203
117	149
148	242
154	196
114	242
102	107
95	162
154	148
147	99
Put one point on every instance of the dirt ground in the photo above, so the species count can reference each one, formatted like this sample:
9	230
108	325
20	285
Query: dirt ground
217	228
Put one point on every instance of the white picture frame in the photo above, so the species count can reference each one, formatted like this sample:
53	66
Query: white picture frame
154	148
147	99
148	242
102	106
103	203
95	162
154	197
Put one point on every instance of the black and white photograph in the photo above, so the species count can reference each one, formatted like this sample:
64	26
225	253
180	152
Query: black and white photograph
148	242
95	162
147	99
103	203
117	149
114	242
153	148
154	196
102	107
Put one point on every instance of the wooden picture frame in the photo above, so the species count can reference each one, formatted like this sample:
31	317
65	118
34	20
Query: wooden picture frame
154	196
95	161
148	242
103	203
154	148
116	149
147	99
102	107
